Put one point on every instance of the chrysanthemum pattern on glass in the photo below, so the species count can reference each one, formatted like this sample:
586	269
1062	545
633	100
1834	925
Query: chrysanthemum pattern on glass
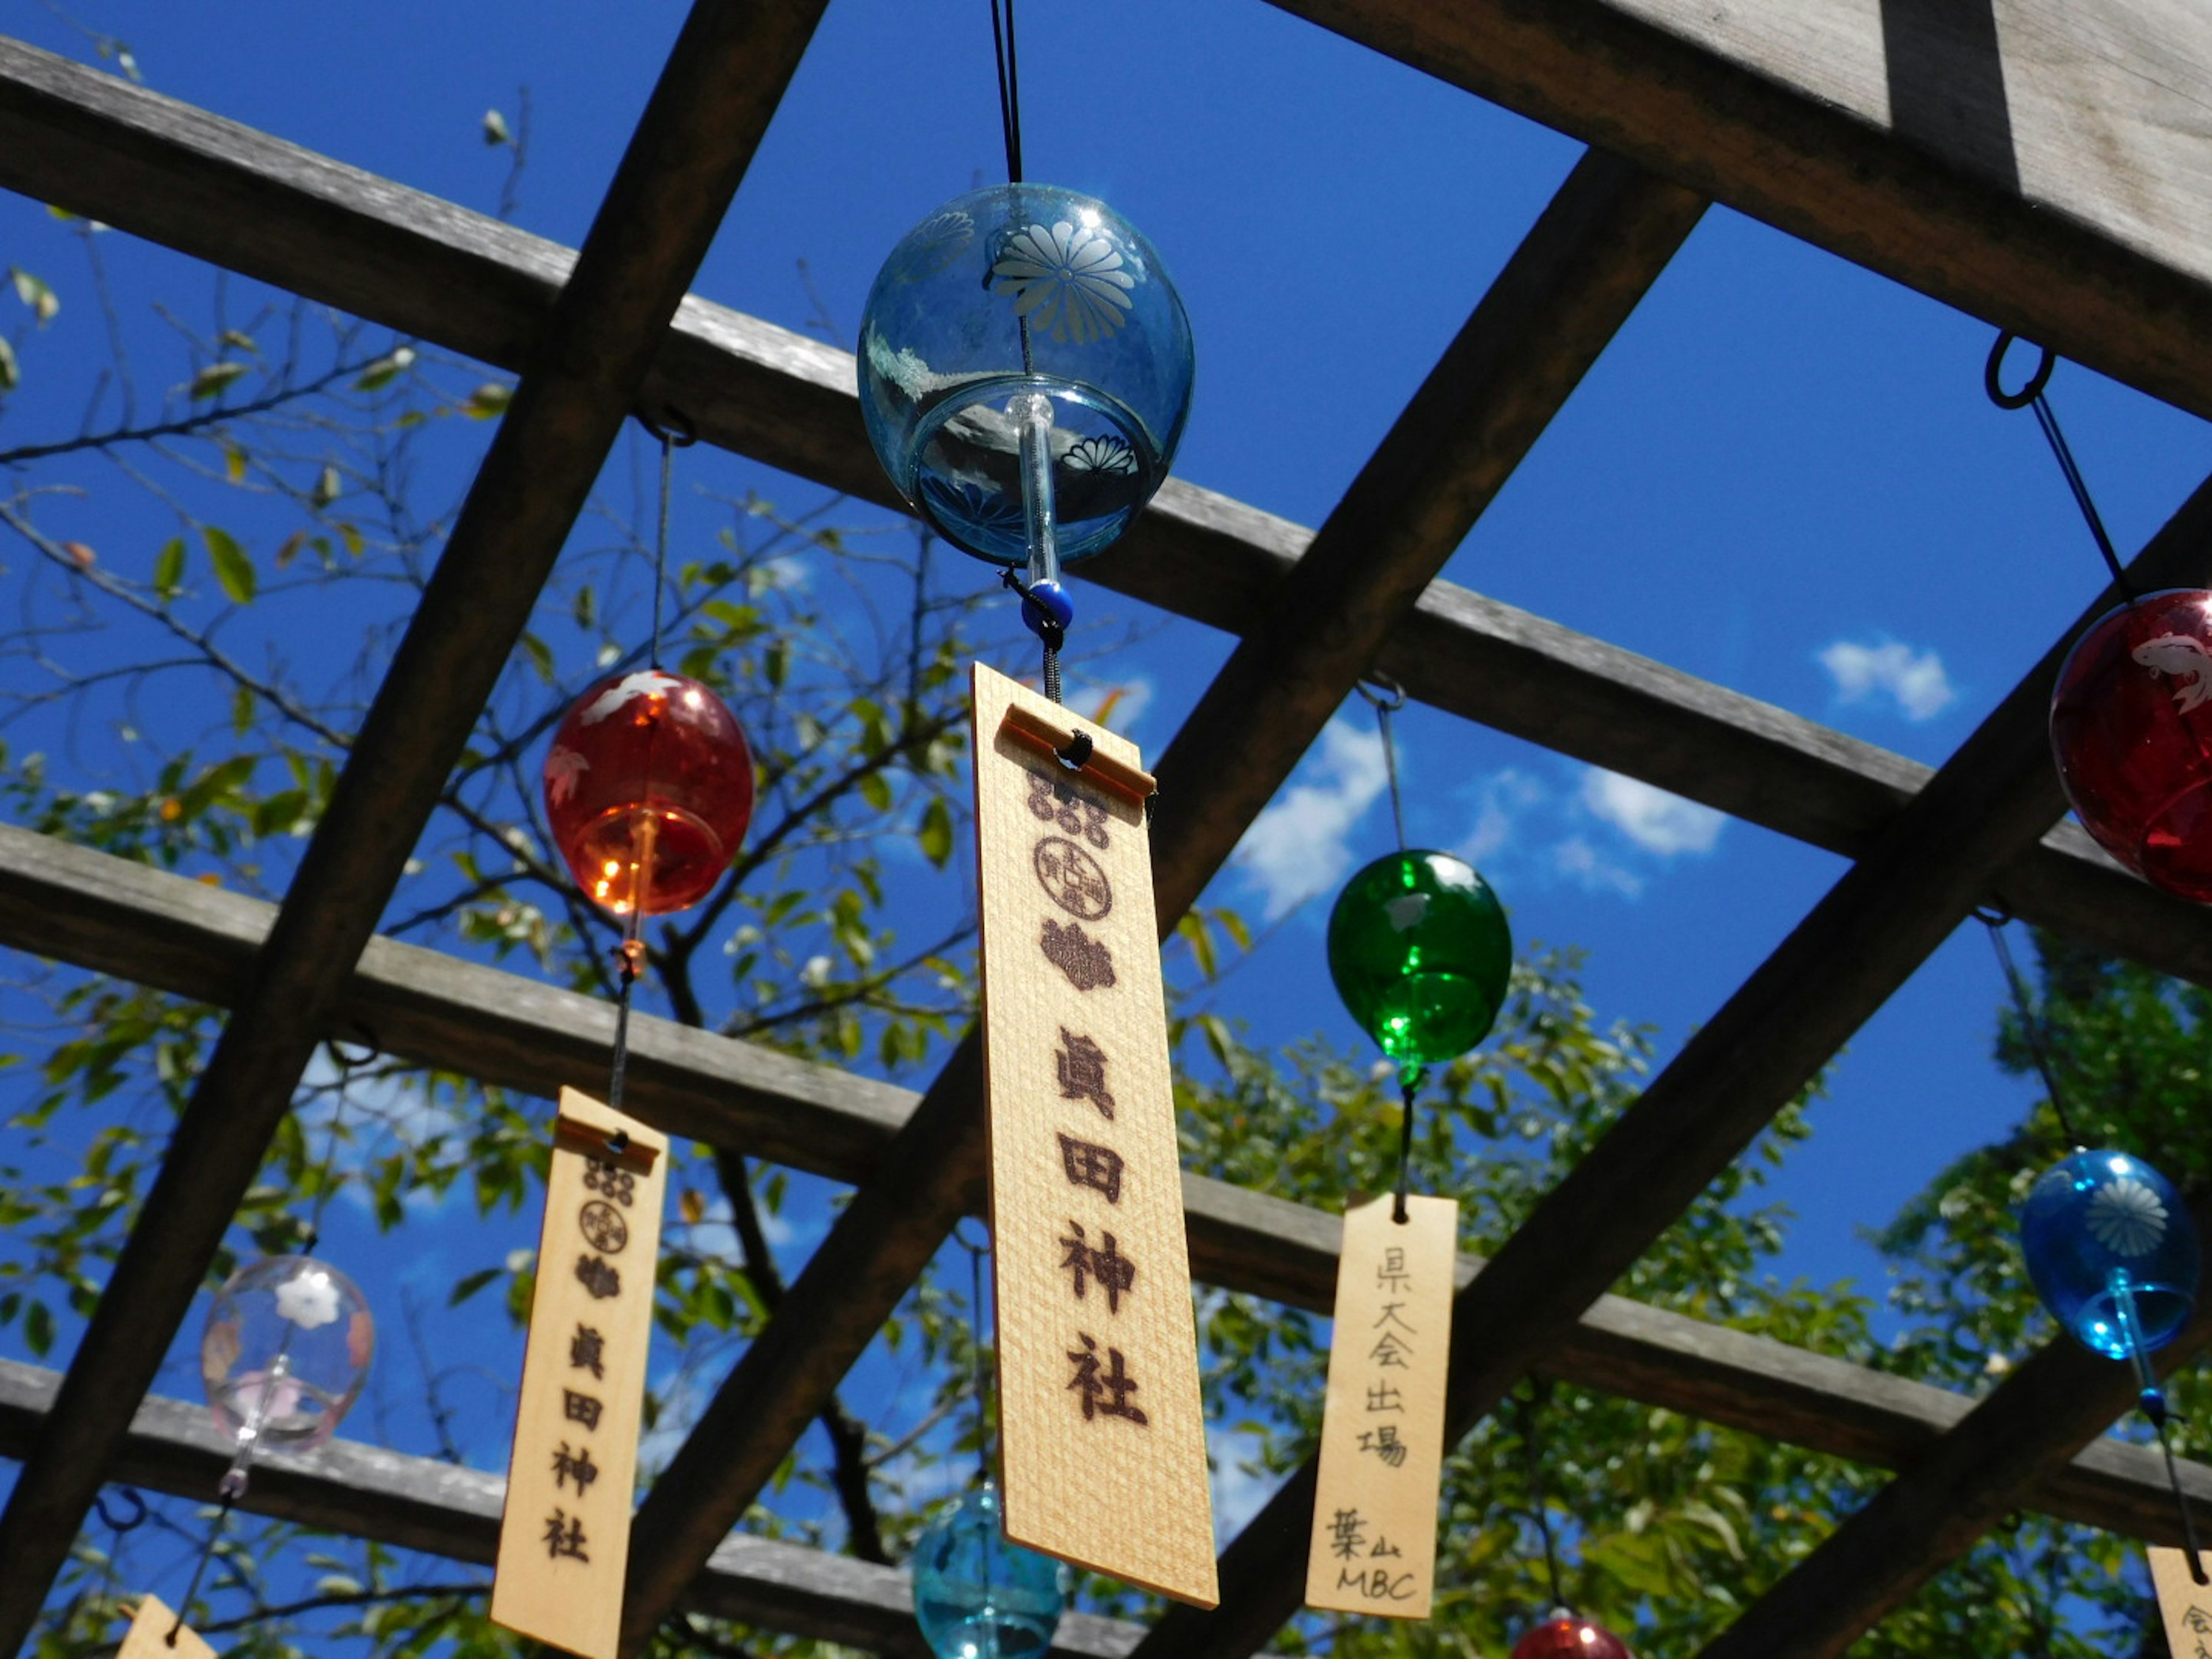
935	243
1106	455
2127	1217
1066	280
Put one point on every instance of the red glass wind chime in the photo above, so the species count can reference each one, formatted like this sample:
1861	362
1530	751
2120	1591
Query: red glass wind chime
648	787
2109	1244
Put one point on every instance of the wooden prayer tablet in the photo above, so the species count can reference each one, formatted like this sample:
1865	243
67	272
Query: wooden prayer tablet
148	1635
1105	1442
564	1538
2184	1605
1374	1546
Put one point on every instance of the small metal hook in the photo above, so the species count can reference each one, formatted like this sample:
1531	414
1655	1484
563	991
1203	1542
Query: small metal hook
364	1041
1993	375
1382	692
683	437
137	1510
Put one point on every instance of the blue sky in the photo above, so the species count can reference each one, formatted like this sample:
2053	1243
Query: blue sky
1783	476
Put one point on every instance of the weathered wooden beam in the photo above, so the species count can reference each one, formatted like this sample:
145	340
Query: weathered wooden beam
2036	1421
1989	802
175	935
706	115
224	192
2041	163
1598	246
444	1509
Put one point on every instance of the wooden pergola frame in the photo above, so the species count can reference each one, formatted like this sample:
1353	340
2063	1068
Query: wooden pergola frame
2034	162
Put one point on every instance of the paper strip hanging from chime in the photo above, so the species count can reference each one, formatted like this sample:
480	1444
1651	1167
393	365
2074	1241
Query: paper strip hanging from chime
1374	1544
1102	1431
564	1537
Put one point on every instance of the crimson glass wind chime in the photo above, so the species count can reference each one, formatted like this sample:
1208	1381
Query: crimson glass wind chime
648	789
2109	1243
1561	1633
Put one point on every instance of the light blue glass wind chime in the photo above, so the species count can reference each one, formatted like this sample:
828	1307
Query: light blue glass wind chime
1025	371
2110	1246
976	1595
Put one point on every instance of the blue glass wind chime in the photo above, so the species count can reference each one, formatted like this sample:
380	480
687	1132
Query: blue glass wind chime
1025	371
2110	1246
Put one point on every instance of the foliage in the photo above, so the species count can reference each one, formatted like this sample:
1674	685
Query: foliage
171	698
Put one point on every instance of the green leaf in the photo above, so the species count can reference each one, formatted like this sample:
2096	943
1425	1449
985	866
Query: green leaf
471	1284
232	567
327	485
487	401
384	370
241	711
39	1329
494	129
210	381
936	832
10	377
34	292
875	790
169	568
234	462
540	656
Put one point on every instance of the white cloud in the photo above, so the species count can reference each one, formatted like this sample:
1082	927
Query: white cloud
1300	844
1914	681
1578	861
1654	820
1501	801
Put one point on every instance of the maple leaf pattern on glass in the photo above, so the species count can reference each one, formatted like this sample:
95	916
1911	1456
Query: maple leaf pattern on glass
1066	280
562	768
2127	1217
646	683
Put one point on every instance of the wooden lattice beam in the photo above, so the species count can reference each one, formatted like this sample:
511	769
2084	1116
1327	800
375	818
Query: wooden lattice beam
706	115
2042	163
225	192
2035	1421
115	917
1995	797
1600	243
443	1508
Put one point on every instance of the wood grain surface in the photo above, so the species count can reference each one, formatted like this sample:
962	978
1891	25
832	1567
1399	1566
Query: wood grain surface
1101	1425
572	1477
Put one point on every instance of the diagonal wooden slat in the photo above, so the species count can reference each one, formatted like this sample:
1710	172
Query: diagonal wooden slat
179	935
2038	162
1994	796
444	1509
145	163
2036	1421
698	132
1597	248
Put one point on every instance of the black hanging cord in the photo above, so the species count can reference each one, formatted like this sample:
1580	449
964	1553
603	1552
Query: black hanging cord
976	1369
2031	1028
1540	1394
1010	87
680	434
2151	1398
1386	696
2030	396
231	1490
365	1050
